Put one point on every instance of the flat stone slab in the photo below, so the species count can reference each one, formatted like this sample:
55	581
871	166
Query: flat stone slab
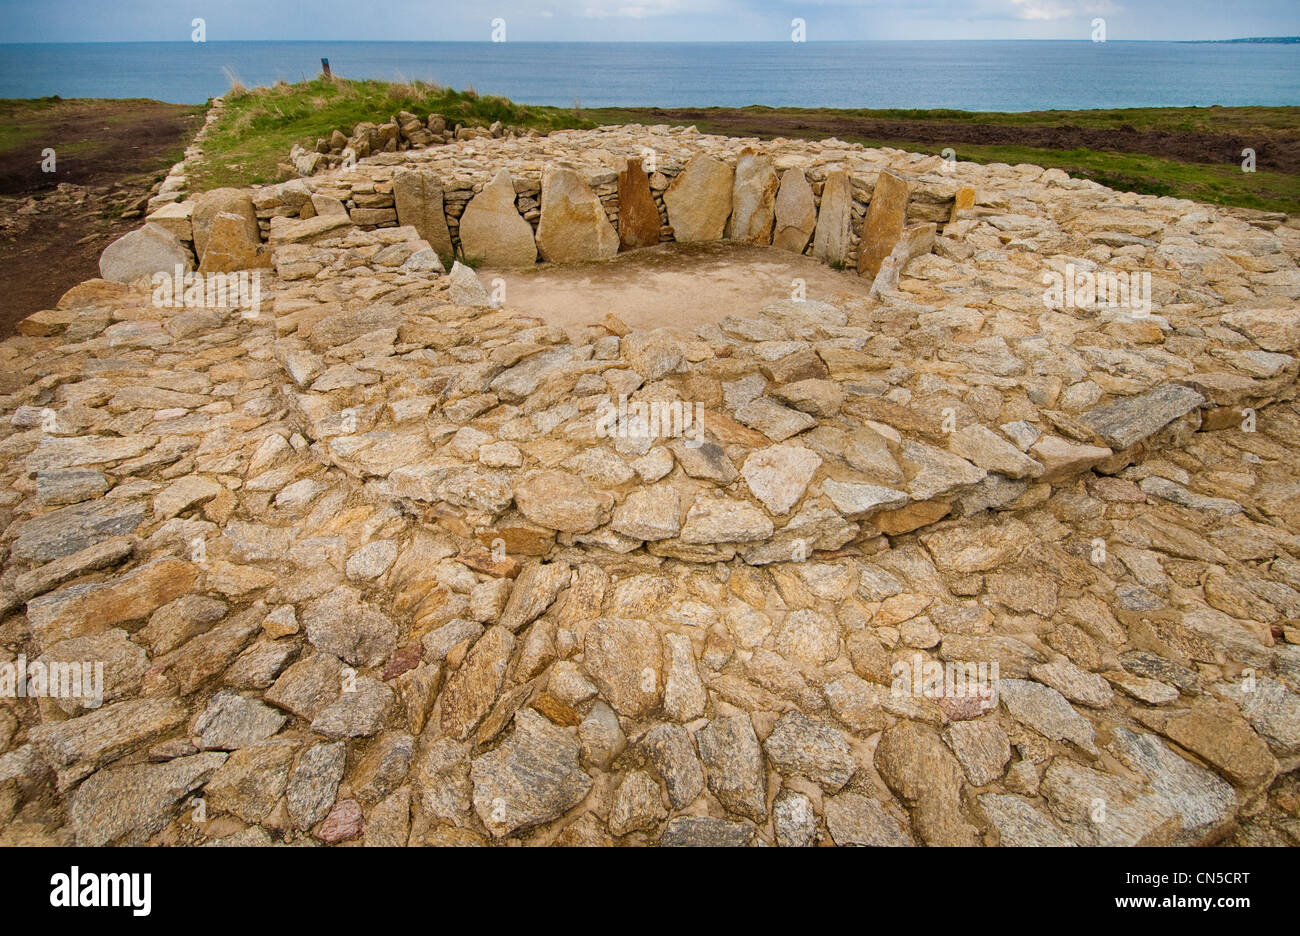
1128	421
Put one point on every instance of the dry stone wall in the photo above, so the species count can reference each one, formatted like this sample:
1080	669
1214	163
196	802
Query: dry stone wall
701	187
378	561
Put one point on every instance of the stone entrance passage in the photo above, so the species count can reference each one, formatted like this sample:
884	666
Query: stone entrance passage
670	286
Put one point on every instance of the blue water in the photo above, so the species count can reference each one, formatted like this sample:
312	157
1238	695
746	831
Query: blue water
973	75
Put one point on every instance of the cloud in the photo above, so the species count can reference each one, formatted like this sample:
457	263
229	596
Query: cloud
610	9
1041	10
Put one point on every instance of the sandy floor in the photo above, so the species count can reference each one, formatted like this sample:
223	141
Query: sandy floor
672	285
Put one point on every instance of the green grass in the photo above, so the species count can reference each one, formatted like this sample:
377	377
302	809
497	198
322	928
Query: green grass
1216	120
1216	183
261	125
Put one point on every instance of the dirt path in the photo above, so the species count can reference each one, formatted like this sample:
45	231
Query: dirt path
53	226
1273	150
670	286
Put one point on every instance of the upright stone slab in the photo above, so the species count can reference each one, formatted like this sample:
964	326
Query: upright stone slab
492	230
964	200
884	222
796	212
230	248
699	200
418	196
638	215
753	198
573	226
222	201
831	240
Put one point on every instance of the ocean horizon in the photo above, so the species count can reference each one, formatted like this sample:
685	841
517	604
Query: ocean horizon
978	75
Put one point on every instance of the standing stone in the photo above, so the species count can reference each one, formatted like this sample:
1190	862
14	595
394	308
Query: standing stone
638	216
222	201
884	222
831	239
753	198
418	195
699	200
964	200
230	248
492	230
573	225
150	250
796	212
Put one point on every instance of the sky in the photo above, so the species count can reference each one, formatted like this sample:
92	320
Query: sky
648	20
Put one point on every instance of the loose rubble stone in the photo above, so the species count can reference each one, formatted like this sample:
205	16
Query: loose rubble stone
530	778
915	764
639	805
805	747
129	804
313	783
733	764
1131	419
853	819
623	658
232	721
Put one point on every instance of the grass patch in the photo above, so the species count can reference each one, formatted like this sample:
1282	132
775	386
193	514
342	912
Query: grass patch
1216	183
261	125
1214	120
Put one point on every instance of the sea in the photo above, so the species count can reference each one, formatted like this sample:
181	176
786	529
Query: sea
981	75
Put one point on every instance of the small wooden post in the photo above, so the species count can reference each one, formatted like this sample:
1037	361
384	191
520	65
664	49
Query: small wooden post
325	65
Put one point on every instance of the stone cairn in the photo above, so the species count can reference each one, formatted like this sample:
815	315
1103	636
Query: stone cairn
362	565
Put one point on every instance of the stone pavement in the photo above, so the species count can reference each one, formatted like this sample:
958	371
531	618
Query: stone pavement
376	565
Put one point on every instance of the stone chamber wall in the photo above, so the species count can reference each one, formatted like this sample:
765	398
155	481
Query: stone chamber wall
699	188
362	565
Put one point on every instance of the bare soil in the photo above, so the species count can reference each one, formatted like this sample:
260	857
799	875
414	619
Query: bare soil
670	286
53	226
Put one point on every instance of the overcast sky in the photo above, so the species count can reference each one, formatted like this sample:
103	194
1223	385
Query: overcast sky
659	20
